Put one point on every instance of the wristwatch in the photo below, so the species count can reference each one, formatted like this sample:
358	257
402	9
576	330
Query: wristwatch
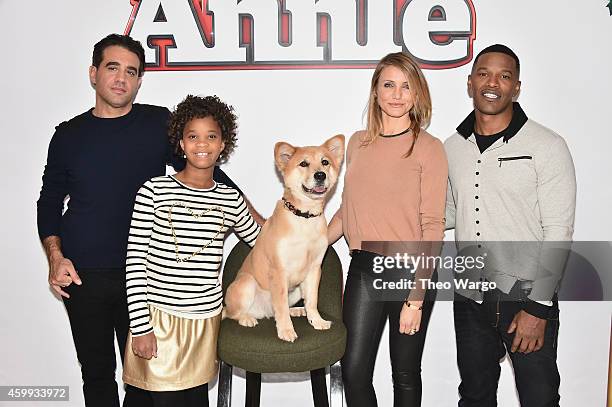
409	305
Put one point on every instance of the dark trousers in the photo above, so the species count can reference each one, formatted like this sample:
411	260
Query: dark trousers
194	397
482	340
364	318
97	311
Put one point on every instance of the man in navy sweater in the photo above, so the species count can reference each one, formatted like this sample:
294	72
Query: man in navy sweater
99	159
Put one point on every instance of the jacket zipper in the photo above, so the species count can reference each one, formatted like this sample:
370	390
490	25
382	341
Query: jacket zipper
521	157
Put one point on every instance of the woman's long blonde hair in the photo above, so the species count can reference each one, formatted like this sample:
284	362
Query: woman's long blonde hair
420	113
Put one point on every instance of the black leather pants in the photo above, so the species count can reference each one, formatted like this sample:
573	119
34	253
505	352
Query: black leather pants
365	319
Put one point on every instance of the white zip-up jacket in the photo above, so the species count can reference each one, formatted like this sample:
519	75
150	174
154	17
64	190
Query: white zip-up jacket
520	189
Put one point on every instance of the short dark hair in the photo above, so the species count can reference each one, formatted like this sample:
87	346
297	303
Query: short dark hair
197	107
124	41
503	49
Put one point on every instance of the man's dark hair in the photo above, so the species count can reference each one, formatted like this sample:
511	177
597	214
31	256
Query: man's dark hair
501	49
124	41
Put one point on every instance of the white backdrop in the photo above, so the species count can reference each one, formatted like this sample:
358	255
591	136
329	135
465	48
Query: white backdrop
566	58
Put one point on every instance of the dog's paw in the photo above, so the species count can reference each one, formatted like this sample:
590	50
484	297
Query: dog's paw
287	334
297	312
248	321
320	323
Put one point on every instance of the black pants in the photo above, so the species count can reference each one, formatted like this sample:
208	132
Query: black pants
194	397
482	340
97	311
365	317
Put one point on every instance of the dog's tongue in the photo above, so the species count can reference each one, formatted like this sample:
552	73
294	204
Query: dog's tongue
319	189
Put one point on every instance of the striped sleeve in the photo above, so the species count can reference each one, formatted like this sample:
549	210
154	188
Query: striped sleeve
136	261
246	228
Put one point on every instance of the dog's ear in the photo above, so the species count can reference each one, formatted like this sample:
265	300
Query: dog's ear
282	154
336	146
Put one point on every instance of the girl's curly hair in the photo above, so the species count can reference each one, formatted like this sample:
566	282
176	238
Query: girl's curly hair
197	107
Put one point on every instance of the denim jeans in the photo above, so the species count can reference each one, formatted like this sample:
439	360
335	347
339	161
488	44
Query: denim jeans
482	340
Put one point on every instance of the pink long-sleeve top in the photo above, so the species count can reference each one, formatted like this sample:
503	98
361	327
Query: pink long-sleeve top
390	197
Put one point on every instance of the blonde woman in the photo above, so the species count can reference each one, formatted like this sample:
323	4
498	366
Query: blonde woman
394	190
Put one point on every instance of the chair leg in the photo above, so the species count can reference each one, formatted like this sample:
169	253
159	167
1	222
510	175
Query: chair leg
224	395
253	389
319	387
336	393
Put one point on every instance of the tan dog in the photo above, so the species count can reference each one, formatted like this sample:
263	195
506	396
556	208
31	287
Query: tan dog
285	263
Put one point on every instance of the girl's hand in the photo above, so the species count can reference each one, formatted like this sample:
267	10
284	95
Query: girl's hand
410	318
145	346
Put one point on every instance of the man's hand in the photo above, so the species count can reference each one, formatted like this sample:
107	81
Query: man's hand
61	270
145	346
529	332
260	220
62	274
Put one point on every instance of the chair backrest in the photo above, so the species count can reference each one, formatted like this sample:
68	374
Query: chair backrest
330	287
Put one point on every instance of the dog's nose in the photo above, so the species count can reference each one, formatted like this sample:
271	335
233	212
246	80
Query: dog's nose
319	176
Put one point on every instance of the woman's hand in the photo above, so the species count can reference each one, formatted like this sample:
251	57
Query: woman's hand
410	318
145	346
334	229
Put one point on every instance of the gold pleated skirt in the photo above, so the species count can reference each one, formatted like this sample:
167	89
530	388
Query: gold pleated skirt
186	354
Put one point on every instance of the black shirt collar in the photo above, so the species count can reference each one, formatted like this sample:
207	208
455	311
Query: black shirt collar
519	118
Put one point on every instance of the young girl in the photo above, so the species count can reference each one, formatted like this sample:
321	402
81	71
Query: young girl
175	248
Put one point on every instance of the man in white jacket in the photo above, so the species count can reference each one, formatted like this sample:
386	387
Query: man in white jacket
512	194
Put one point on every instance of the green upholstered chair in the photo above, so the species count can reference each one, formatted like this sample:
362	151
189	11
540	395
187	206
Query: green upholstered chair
258	350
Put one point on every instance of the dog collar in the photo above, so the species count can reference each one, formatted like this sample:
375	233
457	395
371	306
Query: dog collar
298	212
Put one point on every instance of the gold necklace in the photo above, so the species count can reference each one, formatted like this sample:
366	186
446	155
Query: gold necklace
196	216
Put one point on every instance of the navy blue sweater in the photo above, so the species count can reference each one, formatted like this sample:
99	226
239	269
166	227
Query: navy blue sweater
100	164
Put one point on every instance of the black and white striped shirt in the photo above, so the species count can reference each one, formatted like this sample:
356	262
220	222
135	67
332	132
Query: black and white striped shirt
200	218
